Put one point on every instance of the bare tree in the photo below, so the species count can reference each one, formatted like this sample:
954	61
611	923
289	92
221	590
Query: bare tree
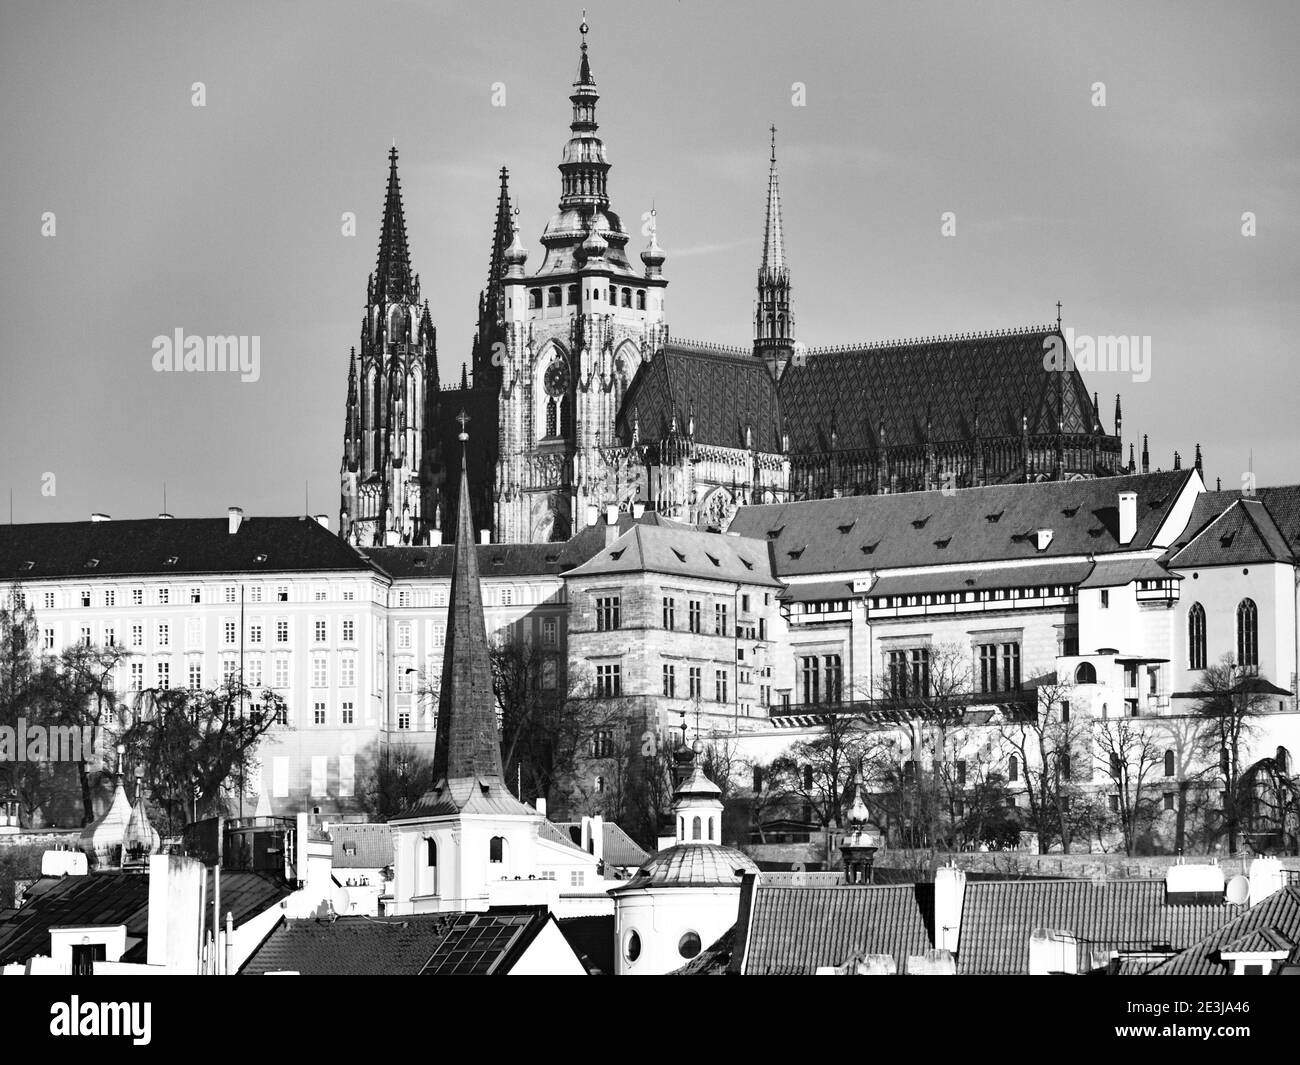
26	680
392	778
1130	760
1229	699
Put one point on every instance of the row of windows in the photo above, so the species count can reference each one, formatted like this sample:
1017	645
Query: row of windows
168	596
229	629
721	618
1247	626
987	595
617	297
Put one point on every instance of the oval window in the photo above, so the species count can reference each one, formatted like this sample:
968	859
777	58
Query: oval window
689	945
632	947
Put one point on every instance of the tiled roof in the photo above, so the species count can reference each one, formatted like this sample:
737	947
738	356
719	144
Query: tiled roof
976	578
426	944
112	898
726	391
794	930
139	547
714	960
690	865
971	525
683	552
1116	573
1245	532
1267	926
362	846
998	918
1282	503
481	797
948	378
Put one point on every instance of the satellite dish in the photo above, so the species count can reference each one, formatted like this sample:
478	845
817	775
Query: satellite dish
1238	890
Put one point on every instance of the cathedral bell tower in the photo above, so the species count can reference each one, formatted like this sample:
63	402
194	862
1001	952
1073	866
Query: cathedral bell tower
386	492
773	318
572	335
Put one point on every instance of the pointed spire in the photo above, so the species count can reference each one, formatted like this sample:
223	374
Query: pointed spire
774	263
502	231
1197	463
1146	455
464	376
467	746
393	280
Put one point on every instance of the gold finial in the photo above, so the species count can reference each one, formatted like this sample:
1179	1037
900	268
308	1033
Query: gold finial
774	142
463	418
583	28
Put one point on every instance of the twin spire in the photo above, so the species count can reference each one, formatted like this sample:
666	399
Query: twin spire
393	281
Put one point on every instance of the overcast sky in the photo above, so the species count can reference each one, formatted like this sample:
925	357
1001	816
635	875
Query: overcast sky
225	219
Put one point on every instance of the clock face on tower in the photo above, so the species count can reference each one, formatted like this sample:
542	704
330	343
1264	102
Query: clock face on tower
556	379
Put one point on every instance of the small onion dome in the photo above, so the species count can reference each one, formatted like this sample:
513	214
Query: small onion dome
595	246
516	256
141	838
102	839
858	812
653	256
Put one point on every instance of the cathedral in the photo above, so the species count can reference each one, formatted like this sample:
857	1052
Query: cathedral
581	400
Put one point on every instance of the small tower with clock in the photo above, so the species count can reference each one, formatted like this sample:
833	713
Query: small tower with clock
574	332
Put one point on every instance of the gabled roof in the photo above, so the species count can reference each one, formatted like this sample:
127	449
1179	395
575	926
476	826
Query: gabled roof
945	379
618	847
362	846
1244	532
971	525
446	944
148	546
794	930
998	918
113	898
726	390
683	552
1268	926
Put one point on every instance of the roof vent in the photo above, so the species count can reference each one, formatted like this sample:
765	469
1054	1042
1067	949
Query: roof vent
847	528
164	516
869	548
745	562
680	556
100	517
29	564
1042	538
92	563
919	523
993	518
616	555
172	560
795	553
1070	512
712	559
941	544
772	534
420	560
1128	516
259	558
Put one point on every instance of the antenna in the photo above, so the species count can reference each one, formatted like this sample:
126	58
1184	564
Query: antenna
164	497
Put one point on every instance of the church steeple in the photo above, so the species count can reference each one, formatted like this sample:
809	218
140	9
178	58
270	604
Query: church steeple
773	318
468	748
393	280
502	232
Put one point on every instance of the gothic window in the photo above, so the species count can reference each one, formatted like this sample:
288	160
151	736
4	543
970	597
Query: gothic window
1247	633
552	420
1169	763
1196	637
1013	769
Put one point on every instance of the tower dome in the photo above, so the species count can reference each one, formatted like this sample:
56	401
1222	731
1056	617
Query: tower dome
595	246
653	256
102	839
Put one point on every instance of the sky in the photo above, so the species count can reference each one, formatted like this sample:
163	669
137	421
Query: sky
227	218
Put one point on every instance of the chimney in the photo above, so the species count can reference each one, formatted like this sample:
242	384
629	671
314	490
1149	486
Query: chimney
236	515
1266	877
539	804
949	892
100	517
638	509
323	520
1128	516
593	514
1053	952
392	538
435	537
611	524
593	836
485	536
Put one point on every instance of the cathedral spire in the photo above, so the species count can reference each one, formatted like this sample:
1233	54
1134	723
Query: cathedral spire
393	280
773	265
502	233
468	746
773	318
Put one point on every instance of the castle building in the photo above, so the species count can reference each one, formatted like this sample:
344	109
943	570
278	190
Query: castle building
581	399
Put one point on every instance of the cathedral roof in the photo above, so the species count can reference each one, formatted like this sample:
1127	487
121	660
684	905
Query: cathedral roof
971	525
726	390
945	381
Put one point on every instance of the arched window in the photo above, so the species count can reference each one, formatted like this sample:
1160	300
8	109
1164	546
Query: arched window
711	830
552	416
1013	768
553	296
496	849
431	853
627	297
1086	673
640	301
696	827
681	827
1169	763
534	299
1247	633
1196	637
573	294
563	404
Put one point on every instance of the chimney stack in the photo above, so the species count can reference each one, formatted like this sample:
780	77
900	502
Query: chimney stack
1128	516
539	804
236	515
949	892
485	536
100	517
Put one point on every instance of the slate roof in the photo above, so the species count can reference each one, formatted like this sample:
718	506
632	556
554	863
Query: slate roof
143	546
998	918
683	552
975	579
1115	573
1282	503
1245	532
794	930
444	944
726	390
691	865
949	378
362	846
618	847
971	525
112	898
1270	925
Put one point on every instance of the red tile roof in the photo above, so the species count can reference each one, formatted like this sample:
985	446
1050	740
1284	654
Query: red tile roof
1269	925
